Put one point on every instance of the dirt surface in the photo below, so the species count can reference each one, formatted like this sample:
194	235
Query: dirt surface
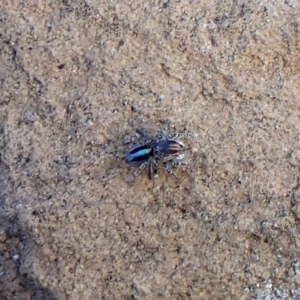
78	78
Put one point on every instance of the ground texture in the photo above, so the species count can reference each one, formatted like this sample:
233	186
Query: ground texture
78	78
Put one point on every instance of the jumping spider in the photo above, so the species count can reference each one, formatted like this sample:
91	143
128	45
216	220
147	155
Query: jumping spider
165	148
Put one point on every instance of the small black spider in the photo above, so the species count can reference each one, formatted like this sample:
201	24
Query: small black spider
166	148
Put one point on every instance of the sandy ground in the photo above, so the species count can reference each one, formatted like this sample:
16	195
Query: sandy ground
78	78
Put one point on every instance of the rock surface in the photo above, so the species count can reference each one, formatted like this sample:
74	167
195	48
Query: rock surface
77	78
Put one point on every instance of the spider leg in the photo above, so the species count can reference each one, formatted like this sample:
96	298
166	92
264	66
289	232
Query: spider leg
152	170
179	163
141	168
162	132
166	169
170	159
144	135
175	136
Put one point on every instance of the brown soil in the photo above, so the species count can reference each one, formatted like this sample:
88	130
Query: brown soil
78	78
